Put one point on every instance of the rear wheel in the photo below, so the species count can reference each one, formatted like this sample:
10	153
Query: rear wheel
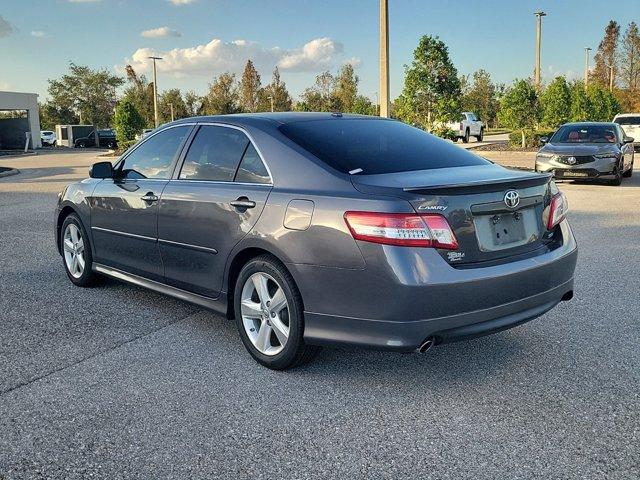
465	139
269	315
76	252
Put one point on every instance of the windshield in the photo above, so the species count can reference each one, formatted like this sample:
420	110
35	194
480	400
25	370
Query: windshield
628	121
371	146
585	134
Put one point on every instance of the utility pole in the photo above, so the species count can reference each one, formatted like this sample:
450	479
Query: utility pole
271	100
539	15
611	67
384	58
155	90
171	107
586	66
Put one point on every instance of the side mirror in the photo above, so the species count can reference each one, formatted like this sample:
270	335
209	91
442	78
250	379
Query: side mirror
101	170
628	140
544	140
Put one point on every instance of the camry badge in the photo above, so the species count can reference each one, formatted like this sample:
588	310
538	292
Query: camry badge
511	199
572	160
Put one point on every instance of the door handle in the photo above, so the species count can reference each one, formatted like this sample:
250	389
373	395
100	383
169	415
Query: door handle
242	203
150	197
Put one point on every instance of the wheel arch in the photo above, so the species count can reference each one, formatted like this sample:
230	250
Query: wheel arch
65	211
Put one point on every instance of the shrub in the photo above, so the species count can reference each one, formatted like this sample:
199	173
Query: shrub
531	137
128	122
443	131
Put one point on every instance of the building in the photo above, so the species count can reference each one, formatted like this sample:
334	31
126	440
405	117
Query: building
19	116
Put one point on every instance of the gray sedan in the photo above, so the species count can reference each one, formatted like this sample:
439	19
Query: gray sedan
323	229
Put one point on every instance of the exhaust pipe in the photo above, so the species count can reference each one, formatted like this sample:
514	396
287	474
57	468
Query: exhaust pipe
426	345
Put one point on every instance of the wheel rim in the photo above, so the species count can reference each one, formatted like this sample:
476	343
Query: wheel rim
265	313
73	247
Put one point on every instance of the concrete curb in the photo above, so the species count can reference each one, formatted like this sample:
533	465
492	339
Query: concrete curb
18	155
8	173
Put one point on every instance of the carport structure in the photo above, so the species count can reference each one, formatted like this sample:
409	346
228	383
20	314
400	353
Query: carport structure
19	115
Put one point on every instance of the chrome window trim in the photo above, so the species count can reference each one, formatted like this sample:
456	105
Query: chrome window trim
251	140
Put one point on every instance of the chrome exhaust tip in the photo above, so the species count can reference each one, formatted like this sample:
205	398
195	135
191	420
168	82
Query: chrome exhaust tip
426	345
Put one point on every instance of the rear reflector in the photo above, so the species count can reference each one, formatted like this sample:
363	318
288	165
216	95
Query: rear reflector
558	209
403	229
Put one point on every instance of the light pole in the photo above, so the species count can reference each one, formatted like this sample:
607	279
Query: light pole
271	100
171	107
539	15
384	58
586	66
611	67
155	90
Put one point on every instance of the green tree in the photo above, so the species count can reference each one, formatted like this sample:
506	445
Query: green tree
606	55
193	103
276	91
480	96
168	98
250	88
52	115
89	94
519	106
431	89
223	96
127	121
555	101
364	106
630	58
320	97
603	105
346	88
140	92
580	105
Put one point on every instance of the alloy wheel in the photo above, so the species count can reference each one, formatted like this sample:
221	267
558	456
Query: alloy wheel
73	247
265	313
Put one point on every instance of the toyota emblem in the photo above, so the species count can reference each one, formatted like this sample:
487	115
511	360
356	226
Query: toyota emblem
512	199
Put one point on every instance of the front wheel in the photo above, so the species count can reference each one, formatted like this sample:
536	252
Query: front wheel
617	181
76	253
629	172
269	315
481	136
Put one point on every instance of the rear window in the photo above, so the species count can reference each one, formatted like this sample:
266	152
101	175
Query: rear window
628	120
369	146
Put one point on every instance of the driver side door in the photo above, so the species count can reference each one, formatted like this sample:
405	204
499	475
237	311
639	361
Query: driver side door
124	209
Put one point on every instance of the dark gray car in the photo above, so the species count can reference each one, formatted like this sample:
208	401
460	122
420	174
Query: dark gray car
588	151
323	229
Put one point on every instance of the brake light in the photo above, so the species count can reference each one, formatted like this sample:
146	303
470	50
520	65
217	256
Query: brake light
403	229
557	210
461	126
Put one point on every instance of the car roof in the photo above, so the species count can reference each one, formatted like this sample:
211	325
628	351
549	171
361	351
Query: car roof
272	117
627	115
589	124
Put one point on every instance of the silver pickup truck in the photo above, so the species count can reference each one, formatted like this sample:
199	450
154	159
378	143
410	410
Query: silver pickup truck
468	126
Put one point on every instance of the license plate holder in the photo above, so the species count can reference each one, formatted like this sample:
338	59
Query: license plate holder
507	229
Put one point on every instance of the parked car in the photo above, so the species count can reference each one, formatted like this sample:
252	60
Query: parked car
106	139
469	125
587	151
316	229
48	138
630	124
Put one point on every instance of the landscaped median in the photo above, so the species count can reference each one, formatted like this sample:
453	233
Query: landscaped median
8	171
524	160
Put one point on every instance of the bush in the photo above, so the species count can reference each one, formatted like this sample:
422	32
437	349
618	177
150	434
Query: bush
124	146
531	137
128	122
443	131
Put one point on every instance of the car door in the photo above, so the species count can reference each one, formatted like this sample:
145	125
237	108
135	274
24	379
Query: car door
213	201
124	208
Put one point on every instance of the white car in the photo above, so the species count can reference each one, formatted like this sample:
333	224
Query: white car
468	126
630	124
48	138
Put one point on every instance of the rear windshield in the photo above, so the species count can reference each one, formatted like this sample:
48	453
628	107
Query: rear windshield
369	146
585	134
628	120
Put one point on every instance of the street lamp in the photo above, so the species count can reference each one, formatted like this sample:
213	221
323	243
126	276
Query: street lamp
155	90
539	15
384	58
171	107
271	100
611	68
586	66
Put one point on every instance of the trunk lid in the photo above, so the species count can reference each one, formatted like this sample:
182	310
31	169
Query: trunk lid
473	200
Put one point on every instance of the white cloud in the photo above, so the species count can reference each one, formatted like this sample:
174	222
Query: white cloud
218	56
181	2
160	32
6	28
38	34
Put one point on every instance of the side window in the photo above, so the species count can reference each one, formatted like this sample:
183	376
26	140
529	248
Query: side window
154	157
214	154
251	169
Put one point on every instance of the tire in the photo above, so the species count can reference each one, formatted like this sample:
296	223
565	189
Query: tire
629	172
79	247
465	139
80	145
261	281
617	181
481	136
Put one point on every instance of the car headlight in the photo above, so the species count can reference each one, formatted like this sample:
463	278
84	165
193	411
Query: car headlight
546	156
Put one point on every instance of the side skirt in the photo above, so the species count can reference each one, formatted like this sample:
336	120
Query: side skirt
218	305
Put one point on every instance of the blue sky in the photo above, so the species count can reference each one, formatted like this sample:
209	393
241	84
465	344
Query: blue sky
202	38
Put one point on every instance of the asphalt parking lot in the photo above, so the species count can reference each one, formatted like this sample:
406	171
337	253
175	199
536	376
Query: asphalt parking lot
119	382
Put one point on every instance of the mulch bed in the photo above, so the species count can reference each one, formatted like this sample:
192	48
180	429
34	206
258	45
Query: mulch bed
504	147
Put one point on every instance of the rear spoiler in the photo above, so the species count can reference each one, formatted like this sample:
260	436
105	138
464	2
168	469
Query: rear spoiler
483	187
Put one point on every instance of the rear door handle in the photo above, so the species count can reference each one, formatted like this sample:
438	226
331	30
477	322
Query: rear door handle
242	203
150	197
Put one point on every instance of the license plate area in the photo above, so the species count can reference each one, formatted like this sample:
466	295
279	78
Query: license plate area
506	230
573	174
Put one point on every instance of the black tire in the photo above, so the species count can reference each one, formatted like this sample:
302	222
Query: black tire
89	278
481	136
617	181
81	144
629	172
295	351
465	139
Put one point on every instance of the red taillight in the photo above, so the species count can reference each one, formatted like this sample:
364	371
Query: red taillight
404	229
461	126
558	209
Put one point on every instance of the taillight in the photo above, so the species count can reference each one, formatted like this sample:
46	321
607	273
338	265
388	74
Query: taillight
404	229
461	126
558	209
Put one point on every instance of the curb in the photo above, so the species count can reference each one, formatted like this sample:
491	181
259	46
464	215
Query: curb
8	173
18	155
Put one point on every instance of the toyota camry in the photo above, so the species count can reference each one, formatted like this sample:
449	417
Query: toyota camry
316	229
